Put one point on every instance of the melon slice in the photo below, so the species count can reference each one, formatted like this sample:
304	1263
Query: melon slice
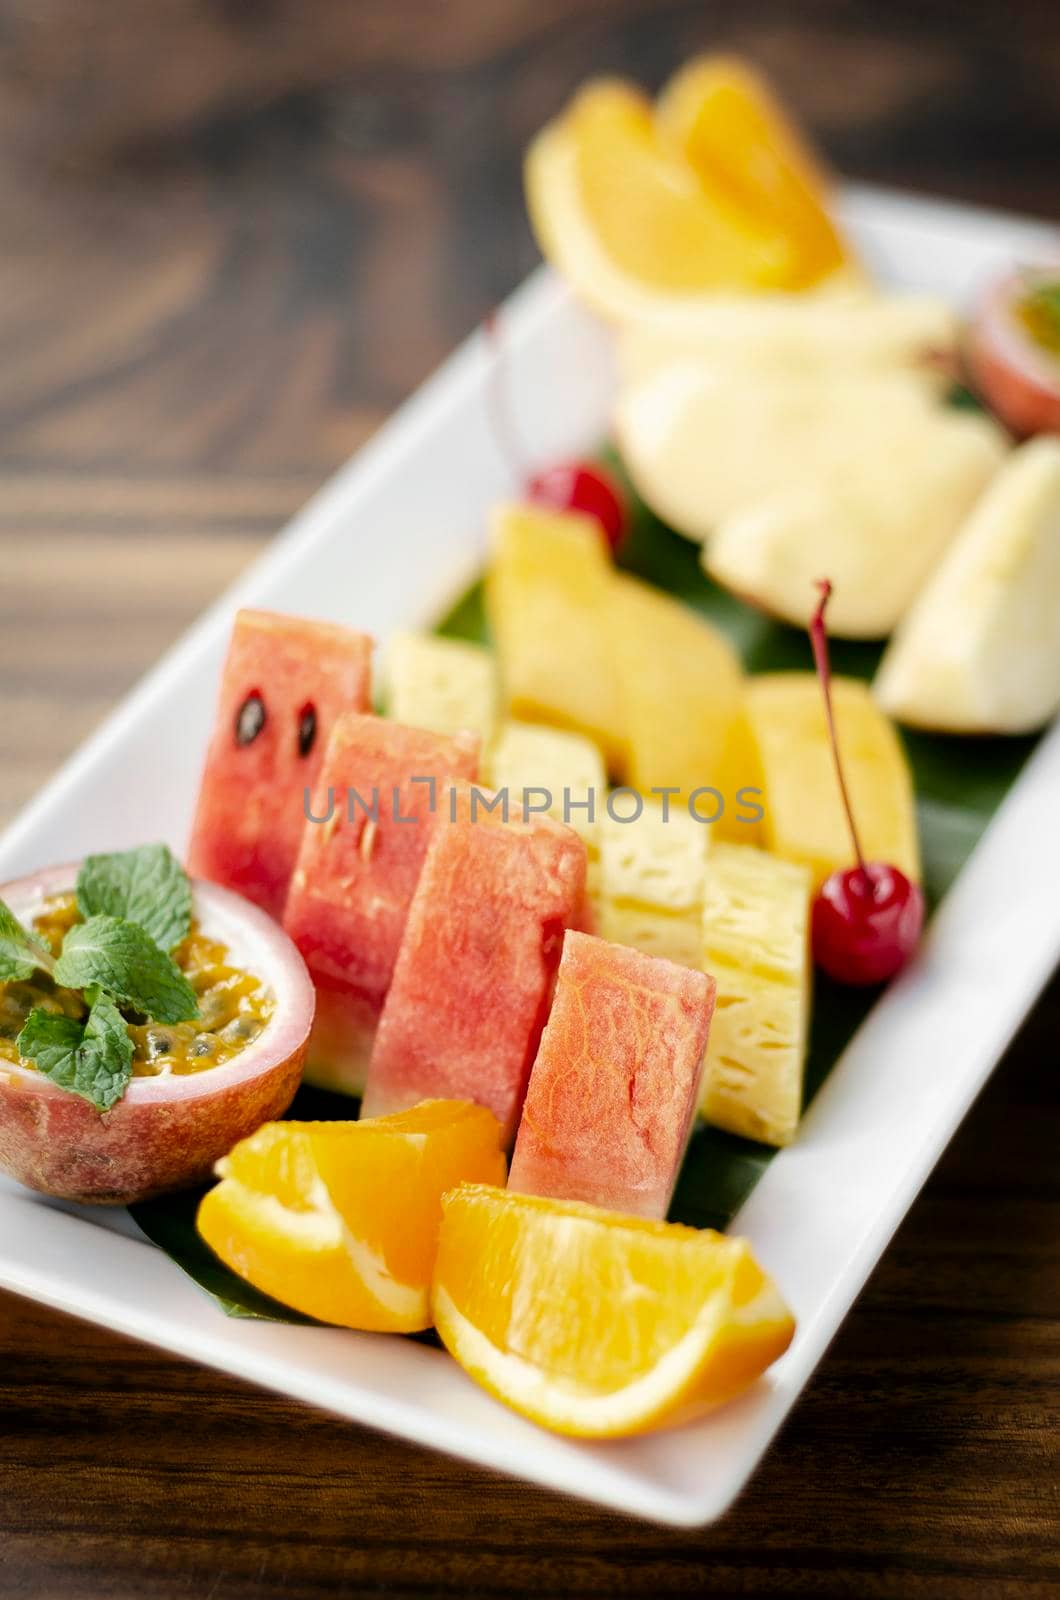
979	652
681	690
614	1089
651	881
547	588
804	817
756	945
445	685
383	788
285	682
473	977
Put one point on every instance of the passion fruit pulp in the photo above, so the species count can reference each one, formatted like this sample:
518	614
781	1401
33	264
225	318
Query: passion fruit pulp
167	1131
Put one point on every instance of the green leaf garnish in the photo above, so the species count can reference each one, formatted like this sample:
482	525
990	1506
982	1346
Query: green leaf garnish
20	952
147	886
124	961
91	1058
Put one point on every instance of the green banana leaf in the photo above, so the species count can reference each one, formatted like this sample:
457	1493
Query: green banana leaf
959	784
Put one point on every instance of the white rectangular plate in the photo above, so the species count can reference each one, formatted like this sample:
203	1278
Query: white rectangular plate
386	543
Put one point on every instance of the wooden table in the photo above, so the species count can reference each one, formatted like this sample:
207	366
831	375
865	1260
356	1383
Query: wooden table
232	242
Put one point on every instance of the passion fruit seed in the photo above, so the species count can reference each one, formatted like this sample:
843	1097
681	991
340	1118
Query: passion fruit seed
307	728
250	718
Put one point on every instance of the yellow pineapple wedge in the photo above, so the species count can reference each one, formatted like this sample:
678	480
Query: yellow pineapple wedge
526	757
756	946
444	685
547	589
680	686
804	818
651	880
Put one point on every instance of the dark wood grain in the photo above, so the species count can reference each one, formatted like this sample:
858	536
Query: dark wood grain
234	236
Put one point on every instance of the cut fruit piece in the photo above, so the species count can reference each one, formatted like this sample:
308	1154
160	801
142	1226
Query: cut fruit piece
599	1325
444	685
786	477
756	945
732	130
534	763
680	687
979	652
804	816
713	191
382	789
1013	349
615	1085
652	874
471	986
340	1219
547	588
798	335
286	680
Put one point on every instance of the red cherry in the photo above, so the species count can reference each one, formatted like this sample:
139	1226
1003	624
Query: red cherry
579	486
866	918
866	923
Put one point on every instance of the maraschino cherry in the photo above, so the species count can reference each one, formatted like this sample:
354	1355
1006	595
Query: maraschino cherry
582	486
568	485
866	918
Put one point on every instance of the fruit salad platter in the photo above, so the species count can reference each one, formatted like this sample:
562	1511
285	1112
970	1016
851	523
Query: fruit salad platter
625	843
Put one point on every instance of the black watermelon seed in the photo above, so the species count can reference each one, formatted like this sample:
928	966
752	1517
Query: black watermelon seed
250	718
307	728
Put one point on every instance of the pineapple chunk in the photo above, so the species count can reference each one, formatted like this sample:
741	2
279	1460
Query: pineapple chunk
681	689
547	590
443	685
756	946
527	756
651	882
804	817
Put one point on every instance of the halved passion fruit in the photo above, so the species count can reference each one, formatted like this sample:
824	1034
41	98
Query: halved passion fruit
169	1128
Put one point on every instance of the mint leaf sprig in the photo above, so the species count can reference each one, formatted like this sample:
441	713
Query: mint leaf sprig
137	906
147	886
20	952
91	1058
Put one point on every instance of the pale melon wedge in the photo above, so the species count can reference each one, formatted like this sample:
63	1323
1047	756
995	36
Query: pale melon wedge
859	475
979	651
547	588
804	818
444	685
756	923
799	334
651	880
681	690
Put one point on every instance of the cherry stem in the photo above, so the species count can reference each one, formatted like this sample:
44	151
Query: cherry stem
819	641
502	421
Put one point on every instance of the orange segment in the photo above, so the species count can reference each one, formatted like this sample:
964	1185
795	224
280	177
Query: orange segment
724	120
340	1219
595	1324
661	219
712	189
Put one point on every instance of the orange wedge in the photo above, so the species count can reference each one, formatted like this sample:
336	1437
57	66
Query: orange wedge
711	189
340	1219
728	125
599	1325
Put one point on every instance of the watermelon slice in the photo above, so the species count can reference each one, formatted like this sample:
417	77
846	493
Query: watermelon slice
285	682
383	790
616	1082
473	980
